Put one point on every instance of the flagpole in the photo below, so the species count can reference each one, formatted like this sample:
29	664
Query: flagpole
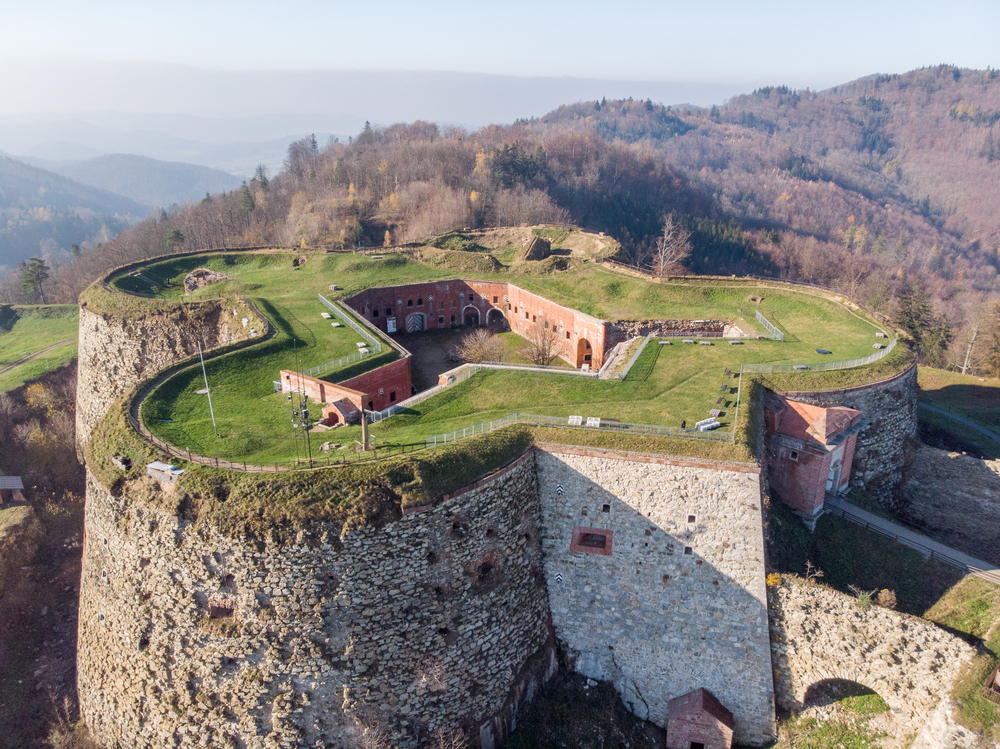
208	392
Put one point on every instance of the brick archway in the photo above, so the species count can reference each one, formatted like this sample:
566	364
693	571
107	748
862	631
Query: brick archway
470	316
584	353
495	317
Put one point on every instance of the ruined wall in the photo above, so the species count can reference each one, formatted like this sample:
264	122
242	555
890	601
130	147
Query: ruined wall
882	447
435	621
673	605
819	634
115	353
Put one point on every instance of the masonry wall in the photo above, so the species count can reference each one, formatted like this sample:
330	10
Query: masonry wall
883	446
401	625
444	304
380	385
654	620
115	353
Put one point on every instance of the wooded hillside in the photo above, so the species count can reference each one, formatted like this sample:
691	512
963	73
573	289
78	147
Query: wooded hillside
884	188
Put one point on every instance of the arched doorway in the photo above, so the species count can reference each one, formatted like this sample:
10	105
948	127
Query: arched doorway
416	322
470	317
495	319
584	353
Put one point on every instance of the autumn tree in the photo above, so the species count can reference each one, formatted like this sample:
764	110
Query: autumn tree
482	345
543	345
673	248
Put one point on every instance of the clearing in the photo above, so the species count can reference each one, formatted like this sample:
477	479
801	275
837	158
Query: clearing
35	339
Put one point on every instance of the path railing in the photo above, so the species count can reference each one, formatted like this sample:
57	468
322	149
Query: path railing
775	333
563	422
906	540
819	366
372	340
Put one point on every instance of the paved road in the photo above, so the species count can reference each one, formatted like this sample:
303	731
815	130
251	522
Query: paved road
971	424
926	546
19	362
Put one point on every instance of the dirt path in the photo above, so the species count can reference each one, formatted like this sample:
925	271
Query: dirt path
19	362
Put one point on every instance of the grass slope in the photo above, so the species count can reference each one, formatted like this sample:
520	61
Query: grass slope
670	384
29	329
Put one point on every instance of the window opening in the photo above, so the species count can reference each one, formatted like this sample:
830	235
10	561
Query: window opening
690	518
605	508
594	540
688	550
420	301
409	302
794	455
374	313
392	396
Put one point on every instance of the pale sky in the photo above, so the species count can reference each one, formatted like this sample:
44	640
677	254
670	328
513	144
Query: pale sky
799	42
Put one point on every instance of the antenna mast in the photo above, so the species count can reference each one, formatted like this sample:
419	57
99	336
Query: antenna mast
207	391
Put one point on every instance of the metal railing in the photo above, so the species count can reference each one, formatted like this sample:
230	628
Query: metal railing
776	334
375	343
330	366
819	366
562	422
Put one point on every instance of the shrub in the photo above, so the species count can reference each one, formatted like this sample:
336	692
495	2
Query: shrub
886	599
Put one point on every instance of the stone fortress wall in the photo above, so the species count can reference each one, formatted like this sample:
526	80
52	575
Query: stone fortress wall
443	618
116	352
679	601
883	446
435	621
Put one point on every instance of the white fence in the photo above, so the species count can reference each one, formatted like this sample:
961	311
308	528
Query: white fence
775	333
820	366
343	361
563	422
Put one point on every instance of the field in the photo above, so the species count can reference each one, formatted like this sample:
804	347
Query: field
975	398
34	340
668	385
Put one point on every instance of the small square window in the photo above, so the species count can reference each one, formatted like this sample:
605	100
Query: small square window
794	455
592	540
392	396
453	304
388	311
606	508
441	305
452	319
688	550
441	320
525	315
534	318
691	518
374	313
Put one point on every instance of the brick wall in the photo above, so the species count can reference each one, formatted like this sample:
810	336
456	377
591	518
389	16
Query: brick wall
445	304
383	386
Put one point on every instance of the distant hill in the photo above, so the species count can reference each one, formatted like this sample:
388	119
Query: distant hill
43	213
145	180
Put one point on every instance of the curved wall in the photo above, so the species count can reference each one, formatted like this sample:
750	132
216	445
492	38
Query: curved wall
884	445
436	621
115	353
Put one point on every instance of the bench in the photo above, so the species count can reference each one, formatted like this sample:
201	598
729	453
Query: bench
723	388
799	367
728	372
336	325
688	340
707	424
704	343
714	412
593	422
721	399
325	315
664	343
575	421
878	345
735	343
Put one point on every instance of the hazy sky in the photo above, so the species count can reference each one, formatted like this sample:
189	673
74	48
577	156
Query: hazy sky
798	42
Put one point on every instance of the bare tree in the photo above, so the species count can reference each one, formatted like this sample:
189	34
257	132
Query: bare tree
543	345
672	248
482	345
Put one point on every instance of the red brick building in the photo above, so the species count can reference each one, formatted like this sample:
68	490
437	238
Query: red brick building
446	304
697	720
374	391
810	451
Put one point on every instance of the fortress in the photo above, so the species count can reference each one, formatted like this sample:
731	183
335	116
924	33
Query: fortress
644	570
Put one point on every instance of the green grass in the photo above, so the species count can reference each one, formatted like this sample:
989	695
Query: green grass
809	733
25	330
975	398
973	607
851	555
938	430
670	384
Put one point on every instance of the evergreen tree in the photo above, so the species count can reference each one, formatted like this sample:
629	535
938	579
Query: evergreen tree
914	314
34	273
246	200
75	250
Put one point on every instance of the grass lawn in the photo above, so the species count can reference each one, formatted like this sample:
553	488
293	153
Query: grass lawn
670	384
30	329
973	607
975	398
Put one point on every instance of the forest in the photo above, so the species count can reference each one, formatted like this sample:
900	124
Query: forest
884	188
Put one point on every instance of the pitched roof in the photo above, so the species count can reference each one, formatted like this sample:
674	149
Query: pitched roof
700	700
808	422
11	482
